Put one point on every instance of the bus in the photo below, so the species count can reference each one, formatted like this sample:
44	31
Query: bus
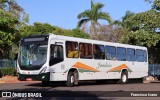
55	58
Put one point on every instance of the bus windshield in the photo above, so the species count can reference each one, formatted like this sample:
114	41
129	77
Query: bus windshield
33	54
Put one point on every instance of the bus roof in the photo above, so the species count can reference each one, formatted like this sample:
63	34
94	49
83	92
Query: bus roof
95	41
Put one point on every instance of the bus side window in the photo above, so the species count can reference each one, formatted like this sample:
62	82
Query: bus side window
56	54
121	54
110	53
139	55
86	50
145	55
98	51
130	54
72	49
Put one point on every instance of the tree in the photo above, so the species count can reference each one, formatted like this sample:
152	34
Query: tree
144	30
93	15
45	28
7	31
141	38
155	4
12	17
122	23
149	20
110	33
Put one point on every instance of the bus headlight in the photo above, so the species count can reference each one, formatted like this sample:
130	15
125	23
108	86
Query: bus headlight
43	70
18	70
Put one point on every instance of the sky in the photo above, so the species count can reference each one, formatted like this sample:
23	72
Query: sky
63	13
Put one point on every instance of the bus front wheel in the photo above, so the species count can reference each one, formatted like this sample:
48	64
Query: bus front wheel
76	77
72	78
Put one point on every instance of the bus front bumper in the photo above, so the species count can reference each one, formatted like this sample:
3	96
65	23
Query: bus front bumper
38	77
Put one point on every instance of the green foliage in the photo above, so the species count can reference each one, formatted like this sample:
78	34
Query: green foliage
74	33
149	21
141	38
79	33
13	53
8	71
123	23
155	4
154	55
7	28
40	28
6	39
143	29
12	17
93	15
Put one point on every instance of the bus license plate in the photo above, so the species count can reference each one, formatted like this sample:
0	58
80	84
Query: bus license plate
28	79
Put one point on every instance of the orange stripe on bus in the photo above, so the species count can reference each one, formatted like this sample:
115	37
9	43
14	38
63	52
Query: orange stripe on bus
83	66
118	68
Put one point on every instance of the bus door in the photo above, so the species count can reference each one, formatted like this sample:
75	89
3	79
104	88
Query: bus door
56	55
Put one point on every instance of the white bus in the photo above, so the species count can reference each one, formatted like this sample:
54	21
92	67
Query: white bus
49	58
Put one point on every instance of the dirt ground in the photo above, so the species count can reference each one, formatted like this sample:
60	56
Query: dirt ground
11	79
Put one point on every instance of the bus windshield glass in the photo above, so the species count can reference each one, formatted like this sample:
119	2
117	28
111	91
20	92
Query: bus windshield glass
33	54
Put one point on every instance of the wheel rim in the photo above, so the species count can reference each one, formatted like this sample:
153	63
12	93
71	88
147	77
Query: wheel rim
124	78
72	79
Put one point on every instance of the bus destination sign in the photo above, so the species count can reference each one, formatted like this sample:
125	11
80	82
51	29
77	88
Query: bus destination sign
34	39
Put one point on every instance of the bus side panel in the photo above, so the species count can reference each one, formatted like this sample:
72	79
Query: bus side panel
99	75
132	75
139	70
58	76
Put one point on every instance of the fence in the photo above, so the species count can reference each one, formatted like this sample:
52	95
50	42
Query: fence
154	70
8	63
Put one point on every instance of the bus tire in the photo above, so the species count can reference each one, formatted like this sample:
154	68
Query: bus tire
124	77
70	79
45	83
76	78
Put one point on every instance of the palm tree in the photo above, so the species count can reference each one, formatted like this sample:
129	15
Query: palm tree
93	15
123	22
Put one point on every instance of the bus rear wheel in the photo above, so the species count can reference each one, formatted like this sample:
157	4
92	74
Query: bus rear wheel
124	77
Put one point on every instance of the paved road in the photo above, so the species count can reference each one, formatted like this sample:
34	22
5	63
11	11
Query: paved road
89	90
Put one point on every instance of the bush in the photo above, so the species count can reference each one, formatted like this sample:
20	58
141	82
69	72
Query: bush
7	71
0	74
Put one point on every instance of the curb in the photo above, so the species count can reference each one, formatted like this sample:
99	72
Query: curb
155	81
2	82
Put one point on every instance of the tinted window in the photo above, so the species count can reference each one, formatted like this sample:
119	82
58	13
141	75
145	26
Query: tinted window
130	54
86	50
56	54
98	51
139	55
72	49
145	55
110	53
121	54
